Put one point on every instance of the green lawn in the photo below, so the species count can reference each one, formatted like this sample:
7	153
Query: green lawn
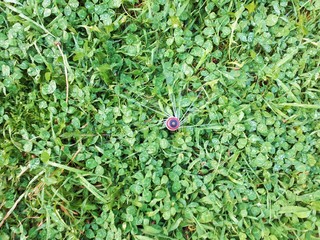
85	88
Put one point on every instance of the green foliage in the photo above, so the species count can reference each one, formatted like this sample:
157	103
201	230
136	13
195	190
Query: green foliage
98	165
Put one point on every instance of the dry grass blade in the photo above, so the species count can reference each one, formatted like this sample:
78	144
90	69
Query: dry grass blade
12	208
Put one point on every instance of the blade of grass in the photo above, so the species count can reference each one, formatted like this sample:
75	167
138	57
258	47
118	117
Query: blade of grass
233	28
18	200
301	105
65	66
287	90
99	195
13	208
276	110
70	169
142	105
23	16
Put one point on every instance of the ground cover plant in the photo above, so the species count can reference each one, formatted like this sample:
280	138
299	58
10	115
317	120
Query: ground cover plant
83	156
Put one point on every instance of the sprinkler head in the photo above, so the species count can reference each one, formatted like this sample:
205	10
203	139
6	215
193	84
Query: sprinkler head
172	123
